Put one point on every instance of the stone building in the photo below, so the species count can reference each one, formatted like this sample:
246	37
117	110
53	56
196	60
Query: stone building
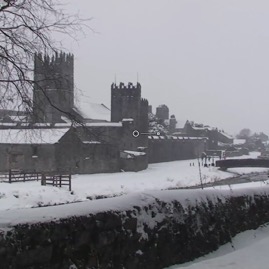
162	112
54	87
88	149
214	135
29	149
128	106
172	124
105	140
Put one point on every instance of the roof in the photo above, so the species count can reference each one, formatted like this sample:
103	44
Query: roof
226	135
31	136
103	124
129	154
239	141
135	153
93	111
178	137
180	124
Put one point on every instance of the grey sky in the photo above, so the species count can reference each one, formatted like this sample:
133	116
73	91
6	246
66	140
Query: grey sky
208	60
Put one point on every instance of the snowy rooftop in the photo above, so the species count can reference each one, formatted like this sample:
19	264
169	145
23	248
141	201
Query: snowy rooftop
177	137
225	134
31	136
135	153
93	111
180	124
239	141
103	124
198	127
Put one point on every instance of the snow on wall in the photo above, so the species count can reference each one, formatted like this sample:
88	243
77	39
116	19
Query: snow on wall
145	230
185	197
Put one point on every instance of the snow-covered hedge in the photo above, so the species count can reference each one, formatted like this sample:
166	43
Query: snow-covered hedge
150	230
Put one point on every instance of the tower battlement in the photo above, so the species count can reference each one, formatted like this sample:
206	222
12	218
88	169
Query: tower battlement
126	103
144	102
128	90
59	61
54	86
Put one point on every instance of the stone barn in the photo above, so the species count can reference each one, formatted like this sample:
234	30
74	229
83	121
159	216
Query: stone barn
93	148
30	150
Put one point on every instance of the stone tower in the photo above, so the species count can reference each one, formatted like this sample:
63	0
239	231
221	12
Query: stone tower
127	105
162	112
54	87
125	102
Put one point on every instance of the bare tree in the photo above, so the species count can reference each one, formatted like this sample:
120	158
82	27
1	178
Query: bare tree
27	28
244	133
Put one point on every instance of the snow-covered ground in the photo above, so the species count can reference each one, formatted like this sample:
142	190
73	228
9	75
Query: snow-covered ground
248	250
158	176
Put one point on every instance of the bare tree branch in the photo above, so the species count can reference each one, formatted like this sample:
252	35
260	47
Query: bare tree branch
26	30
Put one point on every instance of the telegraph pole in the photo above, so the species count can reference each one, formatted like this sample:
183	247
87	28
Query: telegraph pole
200	174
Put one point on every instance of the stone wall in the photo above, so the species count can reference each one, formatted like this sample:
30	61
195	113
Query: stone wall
135	164
230	163
151	235
26	157
81	158
166	150
89	150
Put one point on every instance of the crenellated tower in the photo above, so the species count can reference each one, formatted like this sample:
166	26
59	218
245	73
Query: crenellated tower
127	104
144	123
54	86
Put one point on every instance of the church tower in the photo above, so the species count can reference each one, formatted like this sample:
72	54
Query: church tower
128	106
54	87
125	102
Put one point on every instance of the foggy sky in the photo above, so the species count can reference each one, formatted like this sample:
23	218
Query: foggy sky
208	60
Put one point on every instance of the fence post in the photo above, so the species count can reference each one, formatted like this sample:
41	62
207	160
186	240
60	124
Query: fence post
60	178
43	180
69	182
24	177
9	176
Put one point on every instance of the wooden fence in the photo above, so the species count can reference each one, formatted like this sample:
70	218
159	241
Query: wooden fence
51	178
58	180
19	176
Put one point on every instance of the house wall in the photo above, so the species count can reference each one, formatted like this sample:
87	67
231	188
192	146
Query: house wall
23	157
